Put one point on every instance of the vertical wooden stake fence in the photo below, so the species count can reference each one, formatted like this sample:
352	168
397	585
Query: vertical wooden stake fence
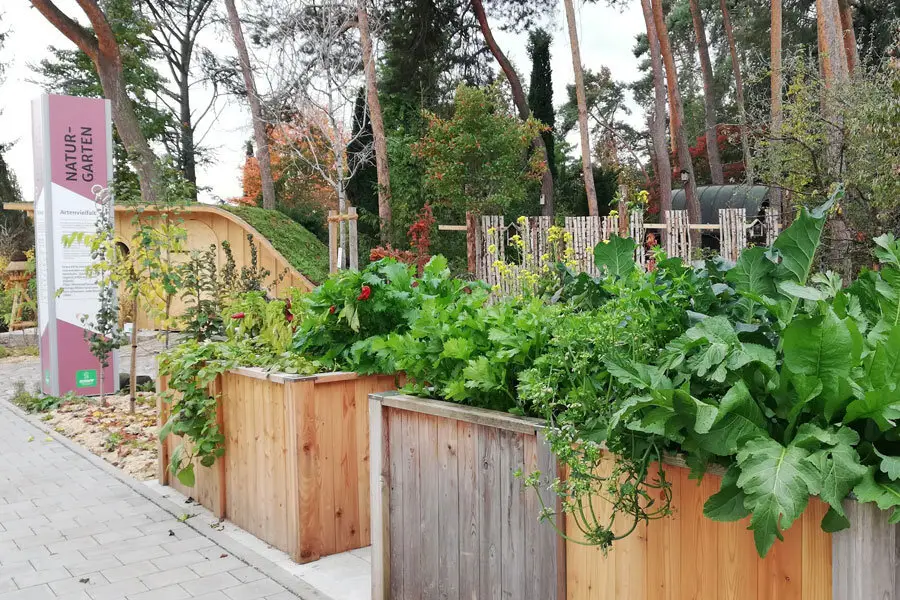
334	221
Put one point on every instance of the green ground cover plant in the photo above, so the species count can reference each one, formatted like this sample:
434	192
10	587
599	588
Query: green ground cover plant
303	250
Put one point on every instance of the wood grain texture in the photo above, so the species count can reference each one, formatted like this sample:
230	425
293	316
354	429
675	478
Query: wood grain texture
866	555
296	467
468	527
688	557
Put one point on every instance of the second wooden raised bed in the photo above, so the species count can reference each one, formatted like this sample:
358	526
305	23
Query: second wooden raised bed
296	467
450	520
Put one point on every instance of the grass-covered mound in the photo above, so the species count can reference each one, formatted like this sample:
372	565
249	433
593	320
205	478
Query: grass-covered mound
300	247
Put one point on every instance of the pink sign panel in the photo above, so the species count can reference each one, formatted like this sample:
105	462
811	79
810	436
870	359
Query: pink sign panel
72	145
78	151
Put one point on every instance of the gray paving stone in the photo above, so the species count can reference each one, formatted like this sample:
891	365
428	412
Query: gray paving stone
34	578
172	592
41	592
130	571
211	583
69	530
117	590
170	577
254	591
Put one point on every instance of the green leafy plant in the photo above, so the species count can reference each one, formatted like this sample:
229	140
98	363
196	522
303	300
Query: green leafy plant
790	387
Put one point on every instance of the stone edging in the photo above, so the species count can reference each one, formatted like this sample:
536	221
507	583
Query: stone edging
265	566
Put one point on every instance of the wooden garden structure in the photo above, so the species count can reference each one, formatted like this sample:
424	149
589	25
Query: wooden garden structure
489	240
450	520
295	472
208	225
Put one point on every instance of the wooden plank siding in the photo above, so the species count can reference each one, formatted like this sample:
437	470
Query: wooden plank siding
688	557
295	472
454	520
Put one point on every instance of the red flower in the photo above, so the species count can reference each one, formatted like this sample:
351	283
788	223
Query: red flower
364	294
289	317
331	310
415	284
237	316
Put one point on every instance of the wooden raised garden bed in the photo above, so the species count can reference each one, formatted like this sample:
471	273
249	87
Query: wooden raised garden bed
296	467
450	520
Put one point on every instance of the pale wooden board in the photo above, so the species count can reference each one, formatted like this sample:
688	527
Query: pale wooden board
395	512
469	525
448	517
489	513
412	516
430	505
866	555
512	515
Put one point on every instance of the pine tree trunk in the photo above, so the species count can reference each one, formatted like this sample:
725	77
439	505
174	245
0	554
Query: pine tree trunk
186	130
381	157
777	196
849	36
739	89
677	119
259	126
112	79
520	100
709	98
658	125
586	162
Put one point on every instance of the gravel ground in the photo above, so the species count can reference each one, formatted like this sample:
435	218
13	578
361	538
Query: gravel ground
27	369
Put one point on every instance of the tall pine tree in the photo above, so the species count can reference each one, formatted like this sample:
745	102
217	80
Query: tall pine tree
540	89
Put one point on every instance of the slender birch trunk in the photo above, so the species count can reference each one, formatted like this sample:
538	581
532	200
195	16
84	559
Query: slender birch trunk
375	116
586	162
259	126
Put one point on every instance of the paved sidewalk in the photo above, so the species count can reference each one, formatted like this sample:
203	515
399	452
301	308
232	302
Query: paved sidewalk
71	530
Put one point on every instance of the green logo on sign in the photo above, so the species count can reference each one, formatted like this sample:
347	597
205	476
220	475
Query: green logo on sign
85	379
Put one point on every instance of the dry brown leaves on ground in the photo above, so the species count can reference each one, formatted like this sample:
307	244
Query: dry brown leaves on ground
124	440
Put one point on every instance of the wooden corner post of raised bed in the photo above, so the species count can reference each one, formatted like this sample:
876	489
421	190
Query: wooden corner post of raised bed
450	518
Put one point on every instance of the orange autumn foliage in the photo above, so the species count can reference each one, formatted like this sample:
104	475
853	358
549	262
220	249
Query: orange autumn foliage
296	183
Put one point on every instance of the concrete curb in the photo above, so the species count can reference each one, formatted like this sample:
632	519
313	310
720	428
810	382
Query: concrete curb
265	566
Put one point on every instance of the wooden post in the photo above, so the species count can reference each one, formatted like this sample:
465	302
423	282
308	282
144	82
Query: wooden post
623	210
471	242
162	465
215	390
332	241
380	490
354	240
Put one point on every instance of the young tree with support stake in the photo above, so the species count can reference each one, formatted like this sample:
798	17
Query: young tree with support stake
138	266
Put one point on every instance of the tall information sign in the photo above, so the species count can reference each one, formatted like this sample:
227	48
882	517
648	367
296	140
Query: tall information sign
72	162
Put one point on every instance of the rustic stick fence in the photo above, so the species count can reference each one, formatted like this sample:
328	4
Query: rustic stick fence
499	251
